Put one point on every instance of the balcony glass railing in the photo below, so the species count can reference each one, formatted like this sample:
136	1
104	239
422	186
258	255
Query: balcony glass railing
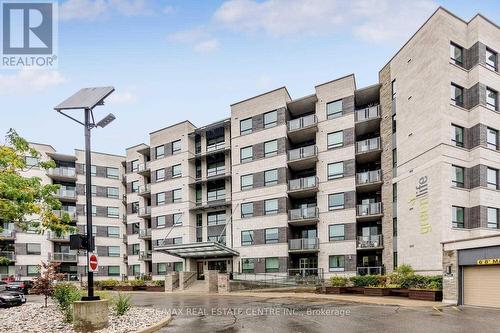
53	236
144	233
66	193
62	172
145	255
63	256
216	171
216	146
372	241
303	213
302	122
7	233
367	113
143	167
216	195
367	145
72	214
144	189
8	254
303	183
143	211
303	244
304	152
368	177
370	270
369	209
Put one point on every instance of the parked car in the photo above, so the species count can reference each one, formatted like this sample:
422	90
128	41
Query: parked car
20	286
11	298
3	285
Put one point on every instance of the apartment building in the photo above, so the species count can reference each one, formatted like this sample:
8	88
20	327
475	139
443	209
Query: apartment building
348	180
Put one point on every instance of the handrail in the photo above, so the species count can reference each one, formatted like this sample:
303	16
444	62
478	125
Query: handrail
297	244
369	241
302	122
368	177
303	213
373	208
302	183
367	145
303	152
367	113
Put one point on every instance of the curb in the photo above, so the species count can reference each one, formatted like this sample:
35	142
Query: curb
164	322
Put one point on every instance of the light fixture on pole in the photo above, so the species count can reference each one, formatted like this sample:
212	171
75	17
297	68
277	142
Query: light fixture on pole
87	99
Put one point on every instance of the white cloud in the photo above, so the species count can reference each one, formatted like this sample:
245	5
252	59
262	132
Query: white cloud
28	81
131	7
91	10
208	45
123	98
168	10
198	38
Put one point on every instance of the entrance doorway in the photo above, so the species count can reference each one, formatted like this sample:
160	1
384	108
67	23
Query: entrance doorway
200	275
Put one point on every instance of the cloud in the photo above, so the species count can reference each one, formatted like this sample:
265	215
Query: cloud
198	38
168	10
123	98
27	81
91	10
208	45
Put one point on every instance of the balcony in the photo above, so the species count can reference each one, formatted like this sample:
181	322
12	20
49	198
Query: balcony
125	257
52	236
63	256
145	255
302	129
7	234
303	245
143	169
372	270
62	173
303	187
303	158
144	212
368	181
216	171
371	242
60	213
145	233
367	120
368	150
125	239
369	212
144	190
216	146
64	194
303	216
8	254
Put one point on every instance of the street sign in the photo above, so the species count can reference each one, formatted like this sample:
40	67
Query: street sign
93	263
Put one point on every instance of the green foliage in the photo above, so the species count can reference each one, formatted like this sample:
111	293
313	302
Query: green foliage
339	281
65	294
108	283
122	304
25	200
159	283
4	261
367	280
137	283
103	295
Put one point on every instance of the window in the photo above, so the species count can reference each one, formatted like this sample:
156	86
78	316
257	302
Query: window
247	209
271	148
395	226
271	206
176	147
457	95
135	249
113	251
161	268
177	195
492	178
33	248
395	259
334	109
493	218
394	158
134	207
247	237
491	59
136	270
160	175
246	182
248	265
335	139
33	270
93	170
246	126
335	170
393	89
457	135
112	192
176	171
491	98
31	161
336	263
178	266
394	123
94	210
134	165
271	236
177	240
161	221
93	190
159	152
135	228
113	212
160	198
246	154
336	232
456	54
492	138
270	119
395	192
336	201
272	265
270	177
135	186
216	218
457	176
457	217
177	217
112	173
114	232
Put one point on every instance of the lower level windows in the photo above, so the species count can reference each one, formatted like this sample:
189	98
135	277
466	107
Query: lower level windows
113	270
457	217
33	270
248	265
336	263
493	218
272	265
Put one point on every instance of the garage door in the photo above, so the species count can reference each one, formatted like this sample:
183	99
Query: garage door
482	286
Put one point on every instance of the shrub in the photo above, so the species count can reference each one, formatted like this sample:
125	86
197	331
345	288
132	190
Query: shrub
159	283
137	283
366	280
108	283
122	304
434	282
65	294
338	281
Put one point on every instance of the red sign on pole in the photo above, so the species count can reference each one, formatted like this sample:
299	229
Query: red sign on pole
93	263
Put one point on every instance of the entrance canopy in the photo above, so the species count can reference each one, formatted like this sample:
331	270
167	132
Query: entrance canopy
198	250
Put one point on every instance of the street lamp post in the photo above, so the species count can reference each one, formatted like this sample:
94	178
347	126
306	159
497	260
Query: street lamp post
87	99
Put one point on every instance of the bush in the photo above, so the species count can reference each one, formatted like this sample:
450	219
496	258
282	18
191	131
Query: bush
108	283
159	283
65	294
137	283
122	304
367	280
339	281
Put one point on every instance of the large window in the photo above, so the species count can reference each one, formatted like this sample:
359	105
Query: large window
457	176
136	270
33	270
457	95
246	126
160	198
492	138
112	192
134	165
176	170
492	178
335	139
114	232
113	251
336	201
33	249
177	219
491	59
177	195
247	237
336	263
178	266
160	175
491	98
135	186
248	265
161	221
159	152
335	170
336	232
134	207
246	154
457	135
271	148
271	236
334	109
271	206
176	147
456	54
270	119
457	217
246	182
271	177
247	209
216	218
112	173
493	218
161	268
272	265
136	248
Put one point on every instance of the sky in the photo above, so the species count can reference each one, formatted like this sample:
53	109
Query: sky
174	60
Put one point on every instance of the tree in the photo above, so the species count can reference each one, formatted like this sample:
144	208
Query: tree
44	284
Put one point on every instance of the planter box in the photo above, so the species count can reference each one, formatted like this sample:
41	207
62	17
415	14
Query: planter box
426	295
377	291
136	288
355	290
123	288
155	288
401	292
336	290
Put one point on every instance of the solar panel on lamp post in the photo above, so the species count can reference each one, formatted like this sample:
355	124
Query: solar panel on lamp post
87	99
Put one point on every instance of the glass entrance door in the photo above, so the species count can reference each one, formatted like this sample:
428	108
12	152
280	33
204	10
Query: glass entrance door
200	274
